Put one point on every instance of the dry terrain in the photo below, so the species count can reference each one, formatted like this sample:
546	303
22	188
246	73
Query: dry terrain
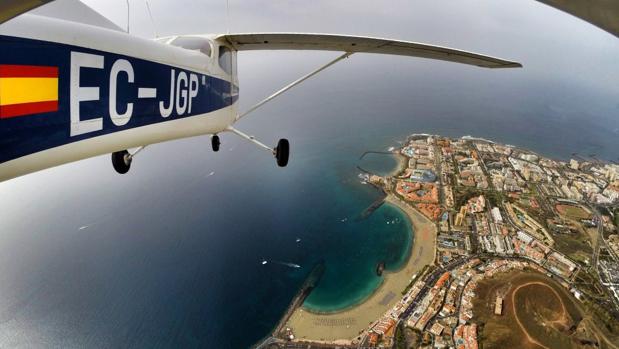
579	244
538	313
574	212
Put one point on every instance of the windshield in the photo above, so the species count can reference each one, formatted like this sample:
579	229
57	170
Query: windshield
194	43
225	59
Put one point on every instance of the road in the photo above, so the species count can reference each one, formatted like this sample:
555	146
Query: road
429	283
596	252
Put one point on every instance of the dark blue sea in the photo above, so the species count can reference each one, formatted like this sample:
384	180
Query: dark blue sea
171	254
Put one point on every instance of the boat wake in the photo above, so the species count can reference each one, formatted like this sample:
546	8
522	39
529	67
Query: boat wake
291	265
394	221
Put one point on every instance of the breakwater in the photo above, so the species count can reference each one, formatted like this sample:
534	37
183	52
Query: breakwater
377	203
309	284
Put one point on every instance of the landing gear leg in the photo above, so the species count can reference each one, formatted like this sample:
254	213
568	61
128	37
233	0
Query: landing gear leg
281	151
121	160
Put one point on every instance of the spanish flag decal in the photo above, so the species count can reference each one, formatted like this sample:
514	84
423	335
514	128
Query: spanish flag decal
27	89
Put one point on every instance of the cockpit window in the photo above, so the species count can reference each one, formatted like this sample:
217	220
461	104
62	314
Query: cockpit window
194	43
163	40
225	59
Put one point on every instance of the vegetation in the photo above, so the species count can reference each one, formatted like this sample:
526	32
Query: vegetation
413	337
400	337
462	195
588	285
419	275
604	318
576	245
495	197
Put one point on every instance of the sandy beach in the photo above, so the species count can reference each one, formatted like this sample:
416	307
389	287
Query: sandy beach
346	325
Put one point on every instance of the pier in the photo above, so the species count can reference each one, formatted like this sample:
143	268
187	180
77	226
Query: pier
308	285
377	203
373	207
376	152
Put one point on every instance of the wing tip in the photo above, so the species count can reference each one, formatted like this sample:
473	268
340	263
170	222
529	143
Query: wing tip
506	65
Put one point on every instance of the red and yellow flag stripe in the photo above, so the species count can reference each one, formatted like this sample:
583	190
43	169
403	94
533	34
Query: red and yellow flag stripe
27	89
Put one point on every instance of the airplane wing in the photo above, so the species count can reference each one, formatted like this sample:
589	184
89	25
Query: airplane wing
14	8
354	44
75	11
601	13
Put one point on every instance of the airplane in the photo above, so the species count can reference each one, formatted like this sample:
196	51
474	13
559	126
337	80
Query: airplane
71	90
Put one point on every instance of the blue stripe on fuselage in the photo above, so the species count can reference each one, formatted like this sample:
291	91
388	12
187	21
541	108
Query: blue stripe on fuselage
29	134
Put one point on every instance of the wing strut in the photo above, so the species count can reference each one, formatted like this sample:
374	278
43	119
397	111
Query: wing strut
294	83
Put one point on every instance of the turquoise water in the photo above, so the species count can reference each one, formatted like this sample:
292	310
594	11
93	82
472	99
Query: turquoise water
380	164
356	246
384	236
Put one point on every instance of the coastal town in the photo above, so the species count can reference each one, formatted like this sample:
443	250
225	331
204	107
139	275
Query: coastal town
498	230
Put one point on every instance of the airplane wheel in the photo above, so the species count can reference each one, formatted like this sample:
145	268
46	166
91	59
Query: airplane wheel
121	161
282	152
215	143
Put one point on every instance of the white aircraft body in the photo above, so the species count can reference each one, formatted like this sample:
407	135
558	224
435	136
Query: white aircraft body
69	90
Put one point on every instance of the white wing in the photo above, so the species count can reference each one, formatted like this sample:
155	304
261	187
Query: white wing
346	43
75	11
14	8
68	10
601	13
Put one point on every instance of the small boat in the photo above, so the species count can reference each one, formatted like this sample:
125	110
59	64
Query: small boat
298	240
264	262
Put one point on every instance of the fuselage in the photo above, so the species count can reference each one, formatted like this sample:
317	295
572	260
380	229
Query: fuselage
69	91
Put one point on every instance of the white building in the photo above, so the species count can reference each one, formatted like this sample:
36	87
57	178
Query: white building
496	215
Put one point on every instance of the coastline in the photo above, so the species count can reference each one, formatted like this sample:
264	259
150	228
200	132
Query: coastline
345	325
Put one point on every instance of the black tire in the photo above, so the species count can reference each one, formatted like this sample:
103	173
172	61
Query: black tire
118	161
215	143
282	152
